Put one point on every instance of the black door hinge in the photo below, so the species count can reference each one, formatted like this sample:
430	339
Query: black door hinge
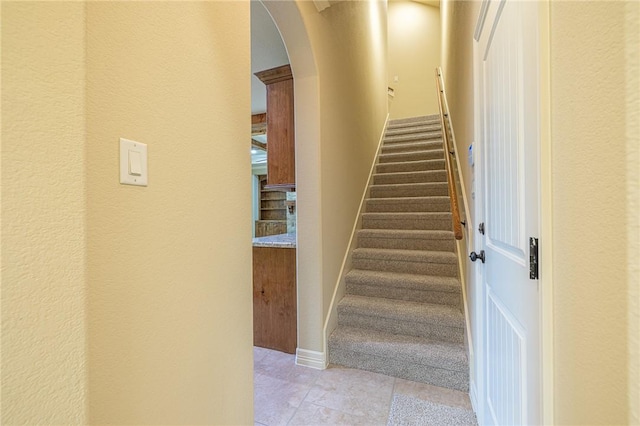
533	258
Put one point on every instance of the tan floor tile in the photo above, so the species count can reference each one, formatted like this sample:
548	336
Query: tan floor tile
355	392
283	366
310	414
285	393
445	396
275	400
338	375
259	354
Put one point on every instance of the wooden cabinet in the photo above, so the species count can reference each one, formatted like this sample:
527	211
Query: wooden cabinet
273	212
274	298
271	202
270	227
281	155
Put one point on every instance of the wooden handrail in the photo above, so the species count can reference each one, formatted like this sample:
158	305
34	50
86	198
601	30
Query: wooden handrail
453	194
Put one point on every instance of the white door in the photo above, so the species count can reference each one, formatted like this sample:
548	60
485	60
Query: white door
507	62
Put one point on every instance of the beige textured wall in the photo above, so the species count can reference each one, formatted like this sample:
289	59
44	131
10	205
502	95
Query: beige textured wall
458	22
169	266
287	16
349	45
414	53
43	214
594	185
632	96
589	195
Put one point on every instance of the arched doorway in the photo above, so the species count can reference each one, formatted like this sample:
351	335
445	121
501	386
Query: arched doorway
288	19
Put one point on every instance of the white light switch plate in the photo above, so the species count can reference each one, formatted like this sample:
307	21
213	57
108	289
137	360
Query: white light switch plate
133	163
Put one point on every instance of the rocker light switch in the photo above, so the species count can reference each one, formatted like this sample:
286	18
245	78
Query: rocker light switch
133	163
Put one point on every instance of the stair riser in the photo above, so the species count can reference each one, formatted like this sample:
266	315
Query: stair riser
409	147
409	224
413	129
419	177
458	380
418	122
439	190
410	167
398	326
406	244
428	137
404	282
372	206
435	154
407	267
410	295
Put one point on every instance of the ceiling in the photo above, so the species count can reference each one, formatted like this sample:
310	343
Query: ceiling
434	3
267	51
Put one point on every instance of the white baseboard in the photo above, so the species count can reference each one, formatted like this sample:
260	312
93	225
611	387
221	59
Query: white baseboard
332	318
312	359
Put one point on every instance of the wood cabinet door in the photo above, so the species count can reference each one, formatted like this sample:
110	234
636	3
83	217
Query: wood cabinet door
274	299
281	163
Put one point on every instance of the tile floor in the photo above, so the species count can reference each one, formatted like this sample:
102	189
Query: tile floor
288	394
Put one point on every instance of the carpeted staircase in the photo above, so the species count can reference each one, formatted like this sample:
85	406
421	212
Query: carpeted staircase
402	311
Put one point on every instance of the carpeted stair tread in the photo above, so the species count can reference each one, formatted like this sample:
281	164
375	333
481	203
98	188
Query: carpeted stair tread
409	137
444	257
407	220
410	177
420	128
402	312
409	121
410	166
402	309
412	358
406	239
417	127
423	189
430	289
406	234
408	204
433	154
419	145
404	281
428	352
413	137
427	262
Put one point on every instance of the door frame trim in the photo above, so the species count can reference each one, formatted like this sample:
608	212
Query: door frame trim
546	218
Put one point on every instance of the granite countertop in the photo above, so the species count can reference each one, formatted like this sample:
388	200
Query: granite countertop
276	241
